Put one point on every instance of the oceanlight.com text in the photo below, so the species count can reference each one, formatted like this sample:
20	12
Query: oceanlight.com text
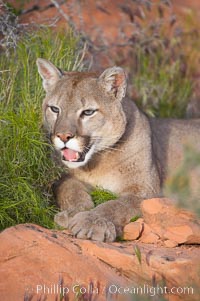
150	290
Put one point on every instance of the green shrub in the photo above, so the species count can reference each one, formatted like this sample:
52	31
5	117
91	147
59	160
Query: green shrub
26	167
163	89
163	61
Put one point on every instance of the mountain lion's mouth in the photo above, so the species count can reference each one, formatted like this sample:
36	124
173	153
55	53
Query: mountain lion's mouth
74	156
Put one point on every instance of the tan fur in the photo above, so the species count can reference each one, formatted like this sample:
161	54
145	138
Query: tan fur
129	153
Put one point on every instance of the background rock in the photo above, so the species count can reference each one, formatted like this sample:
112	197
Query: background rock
109	26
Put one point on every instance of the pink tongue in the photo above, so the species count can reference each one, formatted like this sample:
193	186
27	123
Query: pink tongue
69	154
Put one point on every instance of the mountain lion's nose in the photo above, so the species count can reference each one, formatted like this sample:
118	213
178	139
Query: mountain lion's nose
65	137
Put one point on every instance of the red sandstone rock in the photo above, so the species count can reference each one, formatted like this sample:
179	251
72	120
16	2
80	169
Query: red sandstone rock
171	223
33	258
133	230
140	230
164	222
36	258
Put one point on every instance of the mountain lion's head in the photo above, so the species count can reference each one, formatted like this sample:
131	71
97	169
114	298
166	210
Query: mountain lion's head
82	111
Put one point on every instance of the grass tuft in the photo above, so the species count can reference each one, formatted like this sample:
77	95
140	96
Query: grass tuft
134	218
138	254
100	195
26	167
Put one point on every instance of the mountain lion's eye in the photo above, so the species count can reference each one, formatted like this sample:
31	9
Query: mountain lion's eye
88	112
54	109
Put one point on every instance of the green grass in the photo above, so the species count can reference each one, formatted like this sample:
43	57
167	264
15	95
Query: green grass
138	254
134	218
100	195
26	168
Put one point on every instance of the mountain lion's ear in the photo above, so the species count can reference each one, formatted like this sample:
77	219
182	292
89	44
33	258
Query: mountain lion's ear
114	80
49	73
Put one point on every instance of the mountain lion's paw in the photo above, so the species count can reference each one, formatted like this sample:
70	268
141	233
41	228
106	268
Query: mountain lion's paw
62	219
88	225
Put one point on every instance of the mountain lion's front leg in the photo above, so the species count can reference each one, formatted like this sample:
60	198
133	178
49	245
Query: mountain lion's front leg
72	197
106	221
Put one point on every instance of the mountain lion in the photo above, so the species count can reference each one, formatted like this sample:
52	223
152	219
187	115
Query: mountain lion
105	140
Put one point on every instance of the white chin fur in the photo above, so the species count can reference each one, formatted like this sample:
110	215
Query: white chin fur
79	164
